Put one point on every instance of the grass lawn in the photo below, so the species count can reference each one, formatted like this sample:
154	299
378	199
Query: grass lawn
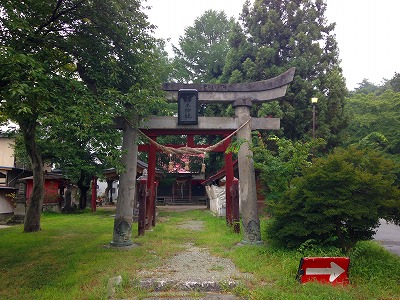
68	260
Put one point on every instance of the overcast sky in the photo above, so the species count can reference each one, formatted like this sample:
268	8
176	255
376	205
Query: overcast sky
367	31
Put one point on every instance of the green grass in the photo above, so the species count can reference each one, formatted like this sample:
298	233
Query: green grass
68	260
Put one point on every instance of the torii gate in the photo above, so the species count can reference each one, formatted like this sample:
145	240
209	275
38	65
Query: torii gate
241	96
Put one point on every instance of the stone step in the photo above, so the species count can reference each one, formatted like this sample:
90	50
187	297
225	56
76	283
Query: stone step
188	297
198	286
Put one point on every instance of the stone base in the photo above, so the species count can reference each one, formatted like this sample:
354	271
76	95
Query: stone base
52	207
255	243
16	219
121	246
5	216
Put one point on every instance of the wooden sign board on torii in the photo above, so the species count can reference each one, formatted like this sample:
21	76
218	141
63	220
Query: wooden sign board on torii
241	96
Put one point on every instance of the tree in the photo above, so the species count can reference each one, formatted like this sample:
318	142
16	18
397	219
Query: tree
338	200
375	113
200	56
28	87
275	35
53	53
365	87
394	83
81	144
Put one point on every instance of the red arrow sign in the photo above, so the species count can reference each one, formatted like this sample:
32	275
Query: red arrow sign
332	270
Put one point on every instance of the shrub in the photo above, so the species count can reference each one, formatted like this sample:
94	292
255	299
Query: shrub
338	200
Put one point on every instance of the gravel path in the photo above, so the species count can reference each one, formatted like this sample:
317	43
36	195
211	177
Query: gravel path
194	269
194	265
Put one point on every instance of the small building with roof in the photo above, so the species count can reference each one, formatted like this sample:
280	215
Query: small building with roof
10	172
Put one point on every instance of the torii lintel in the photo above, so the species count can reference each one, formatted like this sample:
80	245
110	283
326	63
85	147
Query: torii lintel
205	124
258	91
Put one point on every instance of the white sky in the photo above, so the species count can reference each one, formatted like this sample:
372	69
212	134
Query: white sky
367	31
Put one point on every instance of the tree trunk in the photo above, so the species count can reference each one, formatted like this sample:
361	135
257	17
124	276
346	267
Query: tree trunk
83	185
34	209
127	189
339	234
68	197
108	191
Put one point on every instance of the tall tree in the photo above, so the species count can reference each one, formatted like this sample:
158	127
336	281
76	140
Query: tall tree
275	35
200	56
48	49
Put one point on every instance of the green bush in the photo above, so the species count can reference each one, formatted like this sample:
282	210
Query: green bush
337	201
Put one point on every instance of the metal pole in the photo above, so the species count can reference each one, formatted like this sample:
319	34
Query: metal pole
313	125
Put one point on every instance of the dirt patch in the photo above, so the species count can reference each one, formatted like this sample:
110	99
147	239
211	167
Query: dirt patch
192	225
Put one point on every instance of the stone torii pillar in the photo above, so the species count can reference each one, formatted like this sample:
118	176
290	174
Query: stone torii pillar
242	96
247	187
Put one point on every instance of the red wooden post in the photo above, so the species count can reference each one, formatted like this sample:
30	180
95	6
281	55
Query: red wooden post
142	204
151	178
190	140
153	223
235	206
94	193
228	184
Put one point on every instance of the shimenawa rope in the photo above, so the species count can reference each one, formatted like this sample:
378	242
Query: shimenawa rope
189	150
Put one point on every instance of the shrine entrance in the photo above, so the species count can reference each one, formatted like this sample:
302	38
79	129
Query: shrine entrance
181	187
241	97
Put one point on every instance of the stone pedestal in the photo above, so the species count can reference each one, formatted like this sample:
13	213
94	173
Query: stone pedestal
20	206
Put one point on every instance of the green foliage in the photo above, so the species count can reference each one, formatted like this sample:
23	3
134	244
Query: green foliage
375	119
365	87
200	57
338	200
68	68
279	161
276	35
235	146
394	83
